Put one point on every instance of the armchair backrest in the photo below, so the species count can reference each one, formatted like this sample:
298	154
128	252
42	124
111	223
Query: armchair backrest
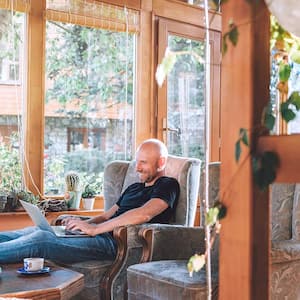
285	216
118	175
213	190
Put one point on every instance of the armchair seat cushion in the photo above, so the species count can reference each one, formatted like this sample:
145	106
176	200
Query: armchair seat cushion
167	279
285	251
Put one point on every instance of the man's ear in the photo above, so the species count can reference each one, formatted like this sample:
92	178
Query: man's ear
161	164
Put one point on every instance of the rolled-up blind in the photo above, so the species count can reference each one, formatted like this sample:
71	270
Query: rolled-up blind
94	14
17	5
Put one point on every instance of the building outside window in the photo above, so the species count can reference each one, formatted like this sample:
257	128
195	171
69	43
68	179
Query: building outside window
89	100
12	91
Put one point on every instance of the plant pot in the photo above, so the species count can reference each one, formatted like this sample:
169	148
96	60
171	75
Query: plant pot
88	203
74	201
3	201
12	202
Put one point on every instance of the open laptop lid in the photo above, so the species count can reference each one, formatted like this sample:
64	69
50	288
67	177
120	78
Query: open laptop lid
36	215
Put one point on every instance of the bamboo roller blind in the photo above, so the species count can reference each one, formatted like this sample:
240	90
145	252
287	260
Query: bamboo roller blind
18	5
93	14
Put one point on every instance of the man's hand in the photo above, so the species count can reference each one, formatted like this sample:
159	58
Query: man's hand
65	220
77	224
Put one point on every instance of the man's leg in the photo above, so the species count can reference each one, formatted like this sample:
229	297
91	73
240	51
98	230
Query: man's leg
6	236
40	243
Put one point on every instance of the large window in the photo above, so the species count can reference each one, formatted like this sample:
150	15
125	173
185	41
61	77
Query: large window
181	100
12	104
294	85
186	110
89	100
68	93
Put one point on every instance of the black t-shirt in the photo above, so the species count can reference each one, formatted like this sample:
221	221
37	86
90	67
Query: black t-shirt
137	194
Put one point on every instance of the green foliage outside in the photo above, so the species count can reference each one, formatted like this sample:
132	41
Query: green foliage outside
8	22
81	161
88	64
10	166
92	67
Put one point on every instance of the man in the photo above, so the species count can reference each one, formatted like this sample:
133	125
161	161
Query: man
152	200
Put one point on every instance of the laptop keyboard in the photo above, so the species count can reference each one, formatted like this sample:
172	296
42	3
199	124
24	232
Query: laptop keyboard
74	232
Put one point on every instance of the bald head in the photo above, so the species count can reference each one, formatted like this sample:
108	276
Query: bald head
151	159
156	147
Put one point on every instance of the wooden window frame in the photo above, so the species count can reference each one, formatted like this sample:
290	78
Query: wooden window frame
145	125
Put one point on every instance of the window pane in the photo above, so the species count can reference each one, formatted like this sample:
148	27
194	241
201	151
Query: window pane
294	85
89	101
186	110
11	98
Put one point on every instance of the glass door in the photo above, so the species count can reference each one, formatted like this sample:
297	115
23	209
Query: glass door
181	100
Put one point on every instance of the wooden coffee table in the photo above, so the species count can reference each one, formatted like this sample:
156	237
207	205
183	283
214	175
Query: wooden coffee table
59	283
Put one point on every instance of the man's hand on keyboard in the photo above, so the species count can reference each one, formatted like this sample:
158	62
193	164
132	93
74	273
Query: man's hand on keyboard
75	224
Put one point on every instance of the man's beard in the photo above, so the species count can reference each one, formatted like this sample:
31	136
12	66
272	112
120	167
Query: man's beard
148	179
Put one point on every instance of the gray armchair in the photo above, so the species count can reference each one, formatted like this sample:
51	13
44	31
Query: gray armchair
107	279
285	241
167	248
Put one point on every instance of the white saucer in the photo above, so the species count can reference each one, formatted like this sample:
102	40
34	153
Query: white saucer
42	271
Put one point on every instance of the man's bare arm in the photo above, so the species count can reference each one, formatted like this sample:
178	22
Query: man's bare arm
104	216
138	215
95	220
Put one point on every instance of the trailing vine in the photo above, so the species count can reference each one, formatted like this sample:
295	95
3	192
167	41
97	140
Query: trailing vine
264	165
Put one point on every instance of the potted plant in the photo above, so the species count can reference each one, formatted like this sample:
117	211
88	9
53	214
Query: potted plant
12	199
88	197
72	194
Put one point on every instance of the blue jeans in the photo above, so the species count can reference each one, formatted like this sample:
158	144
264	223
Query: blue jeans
34	242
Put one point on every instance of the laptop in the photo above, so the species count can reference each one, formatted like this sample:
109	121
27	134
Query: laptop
40	221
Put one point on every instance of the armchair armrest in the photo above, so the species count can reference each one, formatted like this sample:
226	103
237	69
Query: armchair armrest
129	252
171	242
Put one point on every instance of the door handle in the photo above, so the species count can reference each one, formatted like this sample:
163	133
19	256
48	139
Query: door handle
171	129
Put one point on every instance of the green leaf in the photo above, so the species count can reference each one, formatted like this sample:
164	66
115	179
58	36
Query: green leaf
222	210
269	121
263	177
295	56
224	44
165	67
238	150
195	263
264	169
244	136
168	61
295	99
270	160
255	163
212	216
284	72
286	113
233	34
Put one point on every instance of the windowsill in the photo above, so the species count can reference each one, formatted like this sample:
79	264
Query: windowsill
98	207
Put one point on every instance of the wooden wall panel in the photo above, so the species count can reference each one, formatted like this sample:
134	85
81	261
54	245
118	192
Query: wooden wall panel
245	82
35	104
145	106
179	11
